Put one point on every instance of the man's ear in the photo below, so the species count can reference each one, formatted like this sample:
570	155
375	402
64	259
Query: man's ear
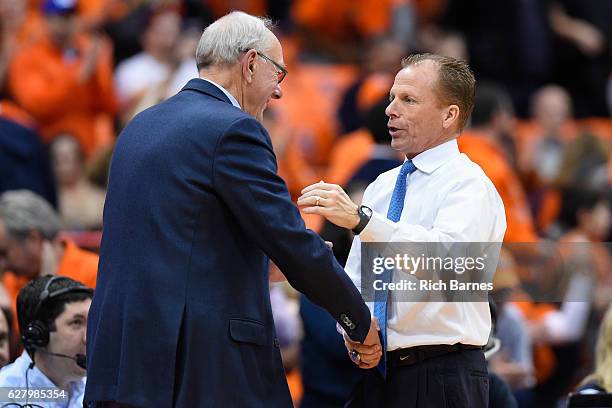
451	116
249	65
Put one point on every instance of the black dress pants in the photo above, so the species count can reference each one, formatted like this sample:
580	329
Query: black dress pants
454	380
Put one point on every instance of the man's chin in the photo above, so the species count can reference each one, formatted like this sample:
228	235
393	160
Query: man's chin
396	144
78	373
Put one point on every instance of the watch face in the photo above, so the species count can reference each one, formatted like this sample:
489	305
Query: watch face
366	210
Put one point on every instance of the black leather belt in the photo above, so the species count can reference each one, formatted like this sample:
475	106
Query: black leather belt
412	355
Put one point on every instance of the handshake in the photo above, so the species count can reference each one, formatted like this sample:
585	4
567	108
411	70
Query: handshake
367	354
332	202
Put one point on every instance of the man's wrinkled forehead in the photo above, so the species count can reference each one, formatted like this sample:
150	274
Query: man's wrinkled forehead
276	49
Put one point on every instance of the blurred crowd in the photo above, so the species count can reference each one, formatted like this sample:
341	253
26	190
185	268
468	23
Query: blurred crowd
74	72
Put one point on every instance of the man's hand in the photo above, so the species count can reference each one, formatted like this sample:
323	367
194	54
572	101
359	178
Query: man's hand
369	353
90	59
330	201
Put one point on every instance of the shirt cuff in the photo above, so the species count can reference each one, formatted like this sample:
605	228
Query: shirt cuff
378	229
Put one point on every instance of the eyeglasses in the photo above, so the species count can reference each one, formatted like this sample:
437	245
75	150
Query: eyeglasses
282	71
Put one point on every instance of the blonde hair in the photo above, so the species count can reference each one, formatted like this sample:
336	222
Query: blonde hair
603	355
456	83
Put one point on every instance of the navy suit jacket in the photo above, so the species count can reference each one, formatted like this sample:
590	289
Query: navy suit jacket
181	315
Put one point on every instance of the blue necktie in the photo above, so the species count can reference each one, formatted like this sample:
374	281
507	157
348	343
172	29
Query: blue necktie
380	297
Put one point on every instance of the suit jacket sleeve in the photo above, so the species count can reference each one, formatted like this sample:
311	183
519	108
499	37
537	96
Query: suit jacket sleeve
245	177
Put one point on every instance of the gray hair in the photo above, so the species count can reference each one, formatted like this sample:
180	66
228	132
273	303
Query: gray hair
224	40
22	211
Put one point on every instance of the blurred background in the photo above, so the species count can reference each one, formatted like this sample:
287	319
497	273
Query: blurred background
74	72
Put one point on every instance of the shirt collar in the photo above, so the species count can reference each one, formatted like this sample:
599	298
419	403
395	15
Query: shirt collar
37	378
429	160
233	100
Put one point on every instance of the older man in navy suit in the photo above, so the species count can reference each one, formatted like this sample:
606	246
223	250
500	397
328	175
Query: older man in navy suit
181	316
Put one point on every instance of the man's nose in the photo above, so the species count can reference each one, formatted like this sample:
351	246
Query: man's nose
390	110
278	92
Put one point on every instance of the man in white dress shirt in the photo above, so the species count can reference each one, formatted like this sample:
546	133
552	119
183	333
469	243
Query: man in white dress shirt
50	373
433	349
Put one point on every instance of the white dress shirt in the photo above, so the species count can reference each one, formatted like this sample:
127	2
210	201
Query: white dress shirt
233	100
448	199
13	376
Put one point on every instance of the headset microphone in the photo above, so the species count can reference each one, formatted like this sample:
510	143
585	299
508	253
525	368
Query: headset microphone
80	359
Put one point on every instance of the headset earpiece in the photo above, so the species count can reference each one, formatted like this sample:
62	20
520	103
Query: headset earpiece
36	335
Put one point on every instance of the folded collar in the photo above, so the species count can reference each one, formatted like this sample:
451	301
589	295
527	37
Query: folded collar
429	160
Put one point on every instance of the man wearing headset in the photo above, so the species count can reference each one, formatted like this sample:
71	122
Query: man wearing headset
52	313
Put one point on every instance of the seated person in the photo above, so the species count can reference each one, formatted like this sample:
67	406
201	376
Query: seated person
32	245
52	314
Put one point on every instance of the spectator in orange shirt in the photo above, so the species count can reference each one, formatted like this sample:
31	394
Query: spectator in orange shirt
65	79
482	142
20	24
336	29
31	246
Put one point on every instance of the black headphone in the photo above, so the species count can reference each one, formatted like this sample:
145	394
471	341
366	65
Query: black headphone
36	333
